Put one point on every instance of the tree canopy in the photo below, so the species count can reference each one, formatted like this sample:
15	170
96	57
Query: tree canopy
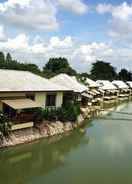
56	66
100	69
6	62
103	71
125	75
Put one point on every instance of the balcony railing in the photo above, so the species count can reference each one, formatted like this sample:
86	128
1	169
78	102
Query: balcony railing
22	118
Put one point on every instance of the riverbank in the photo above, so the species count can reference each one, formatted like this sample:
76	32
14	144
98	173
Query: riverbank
47	128
42	130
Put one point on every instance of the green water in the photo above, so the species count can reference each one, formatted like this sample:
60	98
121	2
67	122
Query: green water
100	155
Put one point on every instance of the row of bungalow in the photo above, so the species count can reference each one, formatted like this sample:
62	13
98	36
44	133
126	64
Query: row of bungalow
22	90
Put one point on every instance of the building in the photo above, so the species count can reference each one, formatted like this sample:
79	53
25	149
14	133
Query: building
109	90
129	83
124	91
80	91
94	91
22	90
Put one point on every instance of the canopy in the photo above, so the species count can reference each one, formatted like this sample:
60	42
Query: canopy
21	103
86	95
95	91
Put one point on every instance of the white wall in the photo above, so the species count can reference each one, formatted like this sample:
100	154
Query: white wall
59	99
41	98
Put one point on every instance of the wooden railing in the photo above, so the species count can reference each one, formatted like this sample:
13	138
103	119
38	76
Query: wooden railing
22	118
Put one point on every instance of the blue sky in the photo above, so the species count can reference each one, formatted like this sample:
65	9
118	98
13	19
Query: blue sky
81	30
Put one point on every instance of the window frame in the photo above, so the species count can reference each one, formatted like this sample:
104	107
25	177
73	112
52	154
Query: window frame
50	102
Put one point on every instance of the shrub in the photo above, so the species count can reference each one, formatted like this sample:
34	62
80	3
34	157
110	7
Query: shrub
38	115
69	112
5	126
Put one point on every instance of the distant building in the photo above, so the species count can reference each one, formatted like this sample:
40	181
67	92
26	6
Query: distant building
80	91
109	90
94	90
123	88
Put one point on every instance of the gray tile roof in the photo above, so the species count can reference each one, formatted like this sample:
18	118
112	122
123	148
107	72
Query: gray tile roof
13	80
69	82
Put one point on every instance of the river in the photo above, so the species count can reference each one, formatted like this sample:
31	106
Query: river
101	154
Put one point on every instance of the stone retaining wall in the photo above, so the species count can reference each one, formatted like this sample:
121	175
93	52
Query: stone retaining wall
45	129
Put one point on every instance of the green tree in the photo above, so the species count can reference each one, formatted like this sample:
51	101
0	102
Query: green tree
82	77
125	75
103	71
9	63
56	66
2	57
2	60
5	126
8	58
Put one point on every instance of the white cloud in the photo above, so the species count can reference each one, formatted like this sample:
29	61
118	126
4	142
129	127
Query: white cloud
2	34
37	14
121	23
77	6
86	54
55	42
12	3
80	55
123	11
20	42
104	8
29	14
38	51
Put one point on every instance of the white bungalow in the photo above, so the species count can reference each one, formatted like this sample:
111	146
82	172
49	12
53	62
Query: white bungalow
110	91
21	90
94	91
124	90
80	90
129	83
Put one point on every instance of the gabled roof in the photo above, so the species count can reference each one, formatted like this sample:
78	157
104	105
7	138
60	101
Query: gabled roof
14	81
129	83
69	82
91	83
120	84
106	85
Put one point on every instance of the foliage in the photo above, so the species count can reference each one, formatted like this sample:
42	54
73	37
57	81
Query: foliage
6	62
53	67
5	126
125	75
100	69
68	112
103	71
82	77
56	66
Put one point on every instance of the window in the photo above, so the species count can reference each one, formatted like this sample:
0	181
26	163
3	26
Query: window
30	96
50	100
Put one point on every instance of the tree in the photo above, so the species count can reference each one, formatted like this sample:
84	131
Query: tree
2	60
9	63
103	71
125	75
82	77
2	57
8	58
56	66
5	126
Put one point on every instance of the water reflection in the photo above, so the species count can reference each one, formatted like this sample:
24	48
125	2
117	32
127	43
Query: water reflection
100	154
21	163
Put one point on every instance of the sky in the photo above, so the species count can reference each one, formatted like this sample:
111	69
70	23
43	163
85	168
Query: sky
83	31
